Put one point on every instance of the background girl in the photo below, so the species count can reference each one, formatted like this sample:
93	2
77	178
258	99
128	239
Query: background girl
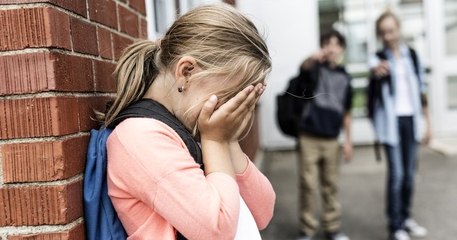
397	118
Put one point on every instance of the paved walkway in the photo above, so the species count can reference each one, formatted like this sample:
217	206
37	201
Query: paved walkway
362	195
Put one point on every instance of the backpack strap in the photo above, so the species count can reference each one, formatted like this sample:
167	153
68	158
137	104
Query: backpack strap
415	61
414	58
148	108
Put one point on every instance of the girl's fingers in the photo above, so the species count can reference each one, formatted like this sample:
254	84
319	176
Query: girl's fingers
233	104
250	101
208	108
262	89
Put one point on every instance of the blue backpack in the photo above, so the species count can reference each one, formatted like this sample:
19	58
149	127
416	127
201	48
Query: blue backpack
101	220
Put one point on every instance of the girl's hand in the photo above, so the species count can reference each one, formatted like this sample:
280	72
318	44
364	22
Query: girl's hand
245	127
229	121
427	136
382	69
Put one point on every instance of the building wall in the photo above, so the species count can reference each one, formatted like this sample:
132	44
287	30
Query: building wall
291	30
56	60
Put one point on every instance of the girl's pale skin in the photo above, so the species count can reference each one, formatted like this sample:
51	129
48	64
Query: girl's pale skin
389	32
220	128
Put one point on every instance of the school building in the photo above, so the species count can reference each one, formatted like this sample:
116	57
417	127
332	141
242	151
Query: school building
292	29
56	60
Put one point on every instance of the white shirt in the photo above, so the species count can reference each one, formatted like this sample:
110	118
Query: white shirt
247	228
404	103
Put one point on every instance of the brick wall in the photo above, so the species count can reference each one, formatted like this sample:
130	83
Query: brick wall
56	60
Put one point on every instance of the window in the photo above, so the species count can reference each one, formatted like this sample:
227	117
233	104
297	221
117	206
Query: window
162	13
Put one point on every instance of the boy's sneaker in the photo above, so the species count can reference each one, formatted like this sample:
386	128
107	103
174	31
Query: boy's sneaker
337	236
400	235
414	229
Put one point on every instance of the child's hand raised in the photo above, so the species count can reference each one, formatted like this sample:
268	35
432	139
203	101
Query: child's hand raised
229	121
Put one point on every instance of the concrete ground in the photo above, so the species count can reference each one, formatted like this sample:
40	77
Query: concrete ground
362	186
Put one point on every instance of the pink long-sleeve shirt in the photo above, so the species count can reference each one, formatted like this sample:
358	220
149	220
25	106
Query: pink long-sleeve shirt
157	188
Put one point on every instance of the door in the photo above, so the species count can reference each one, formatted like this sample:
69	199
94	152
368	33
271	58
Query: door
442	33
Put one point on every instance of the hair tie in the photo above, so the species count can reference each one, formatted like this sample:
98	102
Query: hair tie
158	43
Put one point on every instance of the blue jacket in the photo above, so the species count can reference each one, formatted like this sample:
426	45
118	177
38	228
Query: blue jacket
384	115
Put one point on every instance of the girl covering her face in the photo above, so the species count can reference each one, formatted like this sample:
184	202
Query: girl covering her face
208	71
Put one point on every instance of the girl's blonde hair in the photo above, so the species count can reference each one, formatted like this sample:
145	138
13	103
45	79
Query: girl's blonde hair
223	42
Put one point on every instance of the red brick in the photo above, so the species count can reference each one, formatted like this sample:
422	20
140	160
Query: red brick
39	205
87	106
128	21
34	27
104	80
72	73
50	116
105	45
104	12
38	117
119	44
143	28
84	36
25	73
138	5
44	71
75	233
78	7
44	161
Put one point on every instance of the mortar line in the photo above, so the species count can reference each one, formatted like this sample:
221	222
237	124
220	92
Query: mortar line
43	139
60	182
26	230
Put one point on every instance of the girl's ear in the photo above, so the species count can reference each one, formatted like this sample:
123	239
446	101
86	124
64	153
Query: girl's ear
185	67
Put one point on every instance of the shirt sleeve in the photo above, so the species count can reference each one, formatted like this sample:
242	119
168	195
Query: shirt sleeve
423	84
258	193
156	168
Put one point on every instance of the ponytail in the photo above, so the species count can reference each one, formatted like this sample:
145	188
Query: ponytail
134	74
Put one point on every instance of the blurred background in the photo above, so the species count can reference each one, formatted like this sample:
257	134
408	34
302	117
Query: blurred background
292	29
56	63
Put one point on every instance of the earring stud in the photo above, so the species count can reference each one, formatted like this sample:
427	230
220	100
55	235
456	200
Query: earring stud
181	89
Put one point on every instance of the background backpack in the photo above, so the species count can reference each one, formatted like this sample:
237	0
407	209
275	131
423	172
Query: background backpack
101	220
289	108
290	104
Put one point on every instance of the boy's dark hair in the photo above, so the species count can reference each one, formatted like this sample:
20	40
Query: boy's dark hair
325	38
